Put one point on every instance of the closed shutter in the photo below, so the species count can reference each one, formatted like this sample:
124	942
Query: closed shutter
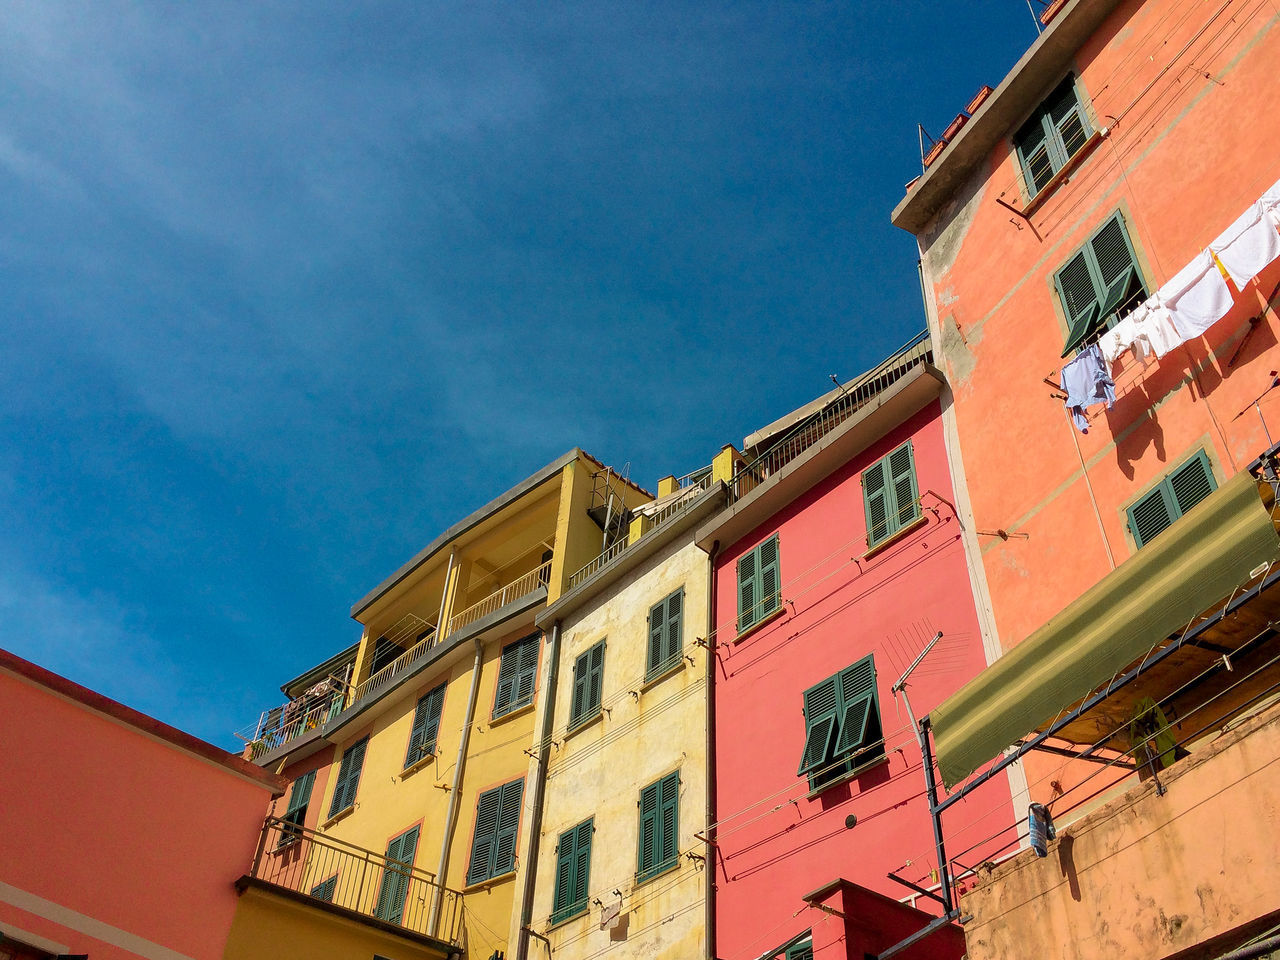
324	891
746	590
582	862
875	501
906	498
581	680
566	861
769	578
1177	493
1150	516
508	676
801	951
1032	145
595	679
300	797
395	877
669	802
504	846
1191	482
675	627
344	791
528	669
648	831
487	809
657	633
426	726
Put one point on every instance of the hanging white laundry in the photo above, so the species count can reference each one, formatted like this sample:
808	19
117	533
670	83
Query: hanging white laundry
1271	200
1197	298
1124	335
1248	245
1156	330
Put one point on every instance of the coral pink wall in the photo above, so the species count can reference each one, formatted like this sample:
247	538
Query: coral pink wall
120	826
776	844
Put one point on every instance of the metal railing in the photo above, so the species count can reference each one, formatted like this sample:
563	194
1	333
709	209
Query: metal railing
539	576
749	474
279	725
688	492
333	871
397	666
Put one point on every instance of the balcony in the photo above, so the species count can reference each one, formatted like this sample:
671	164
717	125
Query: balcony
325	870
535	579
410	633
279	725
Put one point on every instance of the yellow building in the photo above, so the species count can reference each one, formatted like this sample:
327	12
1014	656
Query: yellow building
620	864
413	751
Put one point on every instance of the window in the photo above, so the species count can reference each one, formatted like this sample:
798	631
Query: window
1052	136
1173	496
324	891
1099	284
588	675
666	633
659	816
296	813
842	725
344	791
573	867
395	877
493	848
889	494
516	674
758	584
384	653
426	724
802	950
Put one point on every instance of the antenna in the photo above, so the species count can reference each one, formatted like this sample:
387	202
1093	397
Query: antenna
1039	25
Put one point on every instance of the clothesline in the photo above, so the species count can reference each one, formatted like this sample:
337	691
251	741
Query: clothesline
1184	308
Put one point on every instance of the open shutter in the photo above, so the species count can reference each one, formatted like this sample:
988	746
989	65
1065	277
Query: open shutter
581	680
528	671
565	864
875	501
648	830
504	848
657	630
768	578
747	590
595	678
582	862
669	801
821	705
906	497
486	828
300	796
675	627
1191	482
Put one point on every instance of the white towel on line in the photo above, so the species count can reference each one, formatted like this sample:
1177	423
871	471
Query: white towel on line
1197	297
1248	245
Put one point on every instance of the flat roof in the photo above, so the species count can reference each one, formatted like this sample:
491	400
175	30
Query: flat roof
1022	88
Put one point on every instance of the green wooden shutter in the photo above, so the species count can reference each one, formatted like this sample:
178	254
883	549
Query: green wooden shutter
426	726
527	670
821	703
344	791
875	501
1191	482
657	623
1032	145
582	863
395	877
675	628
504	845
746	590
769	578
1150	515
566	861
508	674
1177	493
906	497
648	831
1111	251
324	891
487	808
669	810
801	951
595	679
1076	287
860	715
300	797
581	679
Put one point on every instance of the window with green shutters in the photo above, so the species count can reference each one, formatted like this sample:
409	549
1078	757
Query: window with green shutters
396	876
493	847
296	812
842	725
802	950
1100	284
516	675
759	584
890	497
659	822
573	871
1177	493
666	635
426	724
588	679
344	791
1052	136
324	890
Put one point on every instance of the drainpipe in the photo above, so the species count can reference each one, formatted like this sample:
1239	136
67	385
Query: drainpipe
437	899
539	793
444	597
711	751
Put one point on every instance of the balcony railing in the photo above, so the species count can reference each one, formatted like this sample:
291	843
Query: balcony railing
688	489
332	871
749	474
279	725
397	666
539	576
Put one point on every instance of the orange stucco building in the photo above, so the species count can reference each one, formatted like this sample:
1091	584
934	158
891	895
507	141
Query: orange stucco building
1123	553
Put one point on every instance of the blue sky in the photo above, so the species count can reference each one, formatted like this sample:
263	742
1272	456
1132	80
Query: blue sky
287	289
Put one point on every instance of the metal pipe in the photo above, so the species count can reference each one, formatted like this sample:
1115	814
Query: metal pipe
709	878
1253	950
539	794
450	820
931	789
441	631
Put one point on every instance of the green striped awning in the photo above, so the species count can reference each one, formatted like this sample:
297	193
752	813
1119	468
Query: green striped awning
1193	564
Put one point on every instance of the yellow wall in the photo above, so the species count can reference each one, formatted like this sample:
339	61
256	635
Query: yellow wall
269	927
600	769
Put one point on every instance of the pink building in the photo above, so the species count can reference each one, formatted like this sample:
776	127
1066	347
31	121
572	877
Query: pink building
837	563
120	836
